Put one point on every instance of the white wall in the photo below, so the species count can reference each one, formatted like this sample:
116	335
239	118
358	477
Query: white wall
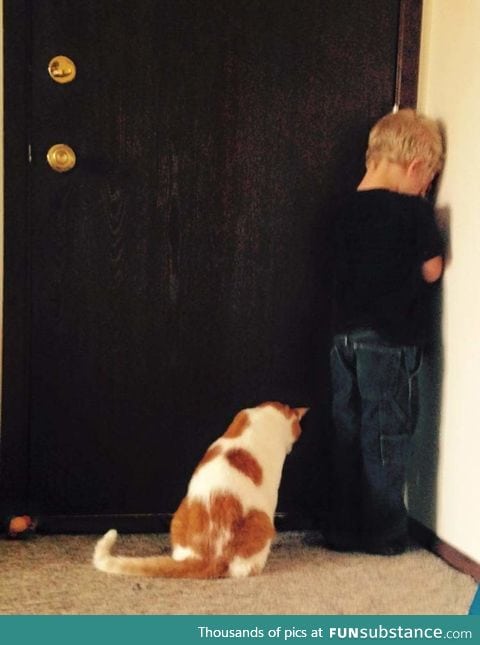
449	89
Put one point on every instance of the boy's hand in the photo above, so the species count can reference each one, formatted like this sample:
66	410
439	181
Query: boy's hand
432	269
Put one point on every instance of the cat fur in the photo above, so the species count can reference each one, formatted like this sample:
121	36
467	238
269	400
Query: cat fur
224	526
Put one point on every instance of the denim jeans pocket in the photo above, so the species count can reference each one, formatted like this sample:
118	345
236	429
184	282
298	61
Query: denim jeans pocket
395	451
394	416
413	357
342	371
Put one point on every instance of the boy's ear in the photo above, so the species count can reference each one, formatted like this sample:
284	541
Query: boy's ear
414	166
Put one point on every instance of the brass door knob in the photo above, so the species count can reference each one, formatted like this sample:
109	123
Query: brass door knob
61	157
62	69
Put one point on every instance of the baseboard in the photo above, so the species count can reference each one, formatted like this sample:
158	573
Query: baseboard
98	524
144	523
455	558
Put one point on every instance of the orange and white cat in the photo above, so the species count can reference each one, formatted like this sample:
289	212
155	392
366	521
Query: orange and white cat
224	526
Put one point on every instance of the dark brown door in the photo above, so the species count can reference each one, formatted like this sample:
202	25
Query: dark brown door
179	271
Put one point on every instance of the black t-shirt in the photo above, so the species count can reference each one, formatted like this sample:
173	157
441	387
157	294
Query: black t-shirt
382	239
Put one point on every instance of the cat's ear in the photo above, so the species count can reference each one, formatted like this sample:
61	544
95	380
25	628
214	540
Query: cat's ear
301	412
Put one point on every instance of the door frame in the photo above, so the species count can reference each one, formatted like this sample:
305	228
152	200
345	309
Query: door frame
14	436
14	433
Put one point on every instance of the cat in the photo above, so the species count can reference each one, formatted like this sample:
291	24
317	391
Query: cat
224	526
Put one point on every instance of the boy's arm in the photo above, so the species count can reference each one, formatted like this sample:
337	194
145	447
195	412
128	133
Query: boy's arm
432	269
431	245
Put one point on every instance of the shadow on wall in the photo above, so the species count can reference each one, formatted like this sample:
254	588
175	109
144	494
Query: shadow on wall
422	477
423	471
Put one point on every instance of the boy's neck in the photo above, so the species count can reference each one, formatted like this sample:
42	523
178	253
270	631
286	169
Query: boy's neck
383	174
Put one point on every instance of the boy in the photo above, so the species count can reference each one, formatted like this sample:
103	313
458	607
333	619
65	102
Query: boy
388	252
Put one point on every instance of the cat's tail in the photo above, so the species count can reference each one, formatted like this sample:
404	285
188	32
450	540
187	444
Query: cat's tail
160	566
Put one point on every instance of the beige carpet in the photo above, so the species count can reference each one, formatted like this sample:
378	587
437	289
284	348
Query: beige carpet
53	575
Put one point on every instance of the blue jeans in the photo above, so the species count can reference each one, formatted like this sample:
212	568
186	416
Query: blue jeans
374	407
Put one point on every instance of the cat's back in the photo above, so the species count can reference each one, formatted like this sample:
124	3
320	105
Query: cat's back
237	463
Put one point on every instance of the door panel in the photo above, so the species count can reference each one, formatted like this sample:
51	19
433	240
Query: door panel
180	271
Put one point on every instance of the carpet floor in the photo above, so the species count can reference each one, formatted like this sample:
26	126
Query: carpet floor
54	575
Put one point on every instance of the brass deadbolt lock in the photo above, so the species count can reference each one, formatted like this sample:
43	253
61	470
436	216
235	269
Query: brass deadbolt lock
62	69
61	158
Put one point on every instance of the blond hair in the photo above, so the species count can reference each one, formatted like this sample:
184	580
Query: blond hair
404	136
